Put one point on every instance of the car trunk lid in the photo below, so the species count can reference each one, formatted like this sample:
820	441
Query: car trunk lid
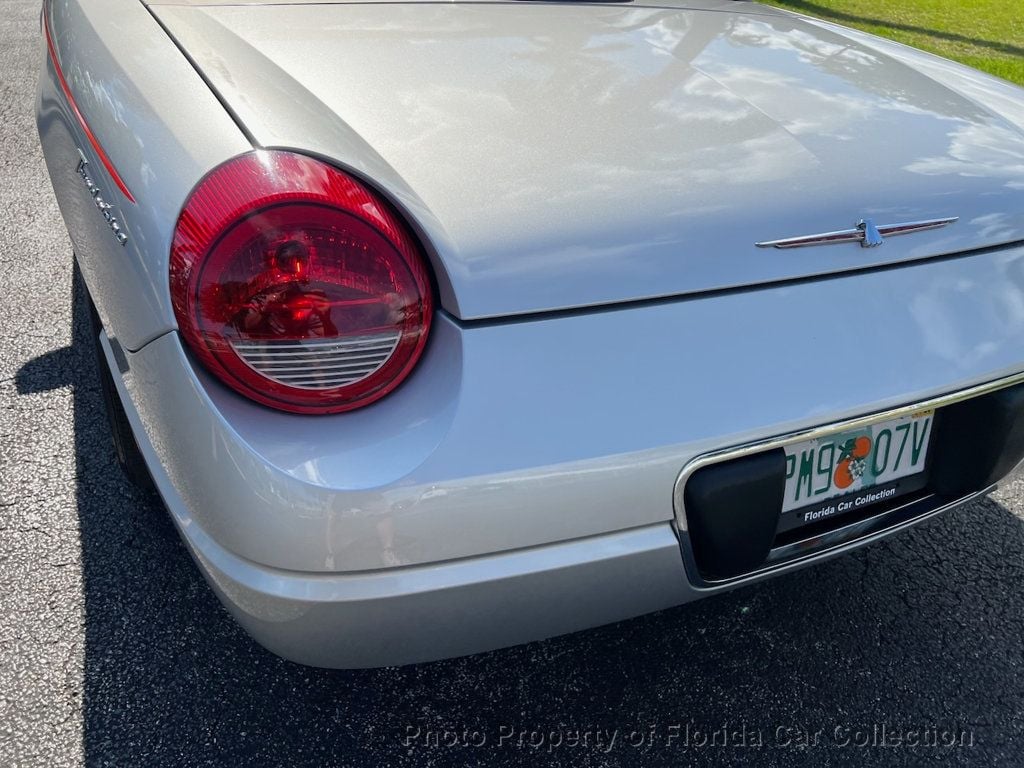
561	156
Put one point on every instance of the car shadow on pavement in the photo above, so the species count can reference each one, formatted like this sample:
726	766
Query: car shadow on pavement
920	634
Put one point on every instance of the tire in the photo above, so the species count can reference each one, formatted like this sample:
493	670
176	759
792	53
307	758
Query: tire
126	449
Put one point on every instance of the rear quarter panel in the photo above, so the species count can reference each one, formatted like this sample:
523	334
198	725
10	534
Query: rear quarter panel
162	130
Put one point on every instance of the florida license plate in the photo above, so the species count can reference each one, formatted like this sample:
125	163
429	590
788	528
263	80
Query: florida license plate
849	471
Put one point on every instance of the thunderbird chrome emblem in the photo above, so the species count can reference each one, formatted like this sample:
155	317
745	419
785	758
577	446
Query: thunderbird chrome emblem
867	233
97	197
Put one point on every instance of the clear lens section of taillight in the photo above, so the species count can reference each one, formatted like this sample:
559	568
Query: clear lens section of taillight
297	286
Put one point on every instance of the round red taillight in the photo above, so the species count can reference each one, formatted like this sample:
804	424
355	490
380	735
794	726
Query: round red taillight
297	286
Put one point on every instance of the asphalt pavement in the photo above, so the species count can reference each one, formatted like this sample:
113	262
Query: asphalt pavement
113	652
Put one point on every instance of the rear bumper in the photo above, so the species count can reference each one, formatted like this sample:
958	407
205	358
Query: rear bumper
419	613
423	613
411	614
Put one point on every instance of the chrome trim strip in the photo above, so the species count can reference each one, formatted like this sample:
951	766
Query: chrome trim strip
736	452
836	536
776	568
866	233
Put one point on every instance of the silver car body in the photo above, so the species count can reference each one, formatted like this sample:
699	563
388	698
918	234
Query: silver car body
589	181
